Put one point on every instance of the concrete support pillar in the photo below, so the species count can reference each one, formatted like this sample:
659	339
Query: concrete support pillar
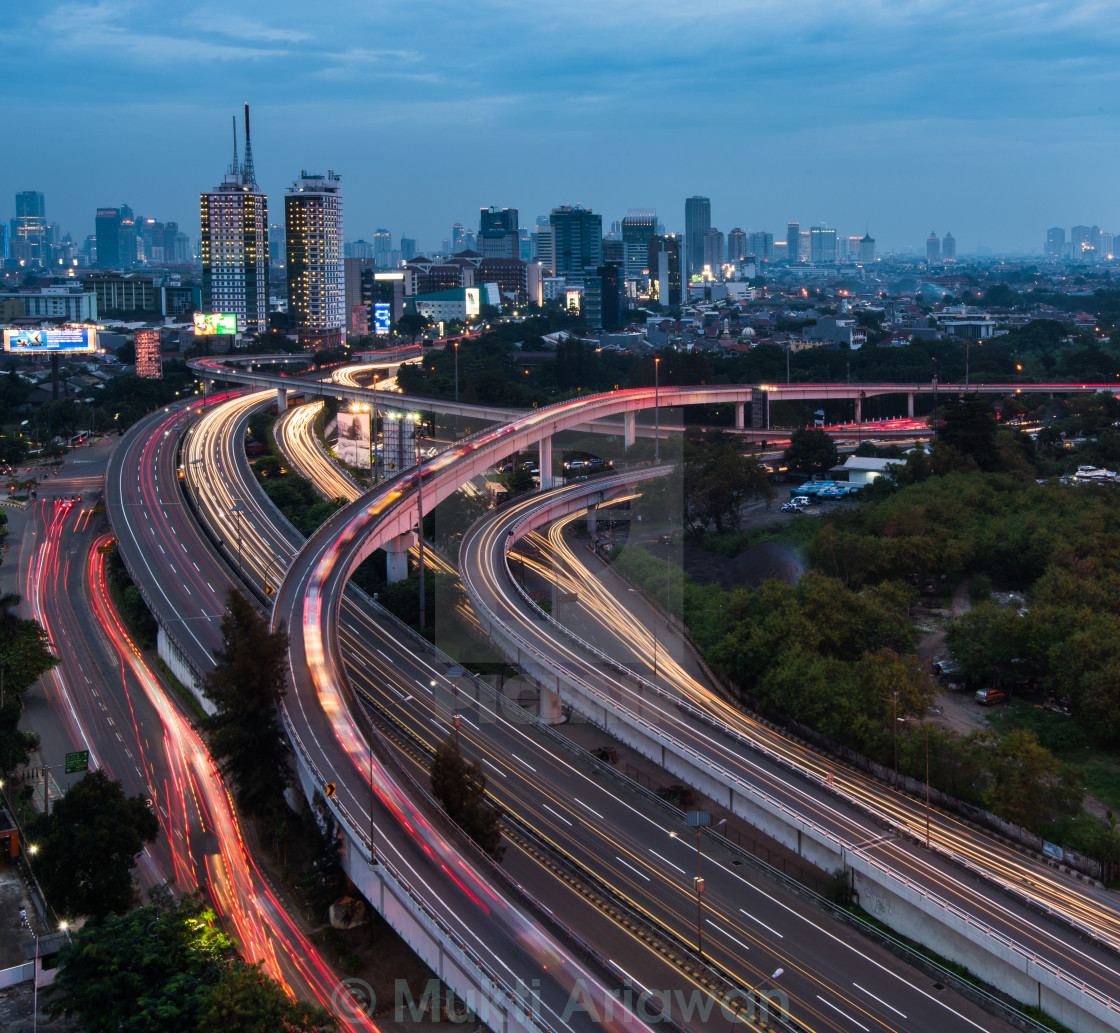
550	712
207	386
396	556
910	405
281	400
546	462
592	519
859	409
629	428
740	415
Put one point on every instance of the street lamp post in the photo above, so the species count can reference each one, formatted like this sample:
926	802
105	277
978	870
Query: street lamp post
373	428
238	509
420	515
698	821
656	409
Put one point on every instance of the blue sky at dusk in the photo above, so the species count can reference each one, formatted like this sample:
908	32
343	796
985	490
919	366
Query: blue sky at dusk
993	120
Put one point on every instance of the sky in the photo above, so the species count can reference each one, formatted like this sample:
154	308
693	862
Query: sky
993	119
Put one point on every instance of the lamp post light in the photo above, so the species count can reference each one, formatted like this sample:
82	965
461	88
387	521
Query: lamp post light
418	439
698	821
656	409
238	509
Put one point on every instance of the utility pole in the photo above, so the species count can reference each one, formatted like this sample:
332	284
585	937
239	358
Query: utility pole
420	516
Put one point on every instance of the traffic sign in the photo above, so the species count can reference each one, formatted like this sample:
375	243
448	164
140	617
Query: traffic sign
330	790
77	761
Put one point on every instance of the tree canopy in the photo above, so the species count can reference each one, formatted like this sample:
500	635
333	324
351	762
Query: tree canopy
88	845
718	479
246	685
811	451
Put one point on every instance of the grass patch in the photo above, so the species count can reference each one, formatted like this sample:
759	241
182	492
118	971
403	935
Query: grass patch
185	695
796	533
1102	777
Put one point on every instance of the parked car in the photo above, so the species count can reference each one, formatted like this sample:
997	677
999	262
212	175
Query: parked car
789	507
988	697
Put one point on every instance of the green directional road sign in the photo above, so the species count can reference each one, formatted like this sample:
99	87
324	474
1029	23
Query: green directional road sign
77	761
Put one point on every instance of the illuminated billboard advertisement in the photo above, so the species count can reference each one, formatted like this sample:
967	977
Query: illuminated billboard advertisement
382	317
353	439
208	324
471	298
572	301
60	340
148	354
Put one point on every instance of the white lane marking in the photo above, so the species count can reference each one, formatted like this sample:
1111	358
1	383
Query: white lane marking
665	860
762	923
495	767
733	939
844	1014
556	814
879	999
632	868
523	761
590	808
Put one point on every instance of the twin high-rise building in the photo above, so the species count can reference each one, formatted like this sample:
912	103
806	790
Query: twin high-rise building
234	243
697	222
314	259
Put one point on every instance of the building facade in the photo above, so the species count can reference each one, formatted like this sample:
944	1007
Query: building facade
713	252
948	248
822	245
29	236
313	250
665	269
234	245
638	229
498	233
578	240
793	241
933	248
697	222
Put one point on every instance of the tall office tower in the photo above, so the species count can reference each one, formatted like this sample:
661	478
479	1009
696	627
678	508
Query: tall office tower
234	244
602	297
578	240
664	263
545	249
1108	245
697	222
498	233
313	221
948	248
107	229
638	230
458	238
714	253
1095	240
29	237
793	241
760	244
822	245
933	249
524	244
867	249
276	238
408	249
1079	243
130	250
382	247
614	251
615	232
1055	242
737	246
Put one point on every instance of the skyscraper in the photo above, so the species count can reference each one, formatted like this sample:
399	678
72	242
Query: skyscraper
665	269
933	248
822	245
234	243
697	222
867	249
578	240
737	247
498	235
107	228
793	241
1079	243
637	231
1055	242
313	223
948	248
714	253
29	228
760	244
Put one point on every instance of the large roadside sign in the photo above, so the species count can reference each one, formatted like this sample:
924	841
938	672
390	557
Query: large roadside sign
77	761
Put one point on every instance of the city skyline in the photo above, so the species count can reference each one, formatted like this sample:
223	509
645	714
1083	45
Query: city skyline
927	114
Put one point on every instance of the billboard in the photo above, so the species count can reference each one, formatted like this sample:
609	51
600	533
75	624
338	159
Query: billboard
353	439
208	324
471	299
382	317
58	340
572	301
148	354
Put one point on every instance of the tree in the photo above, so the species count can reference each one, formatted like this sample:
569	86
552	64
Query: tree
811	451
718	478
520	481
167	968
969	426
460	787
88	845
1029	784
412	325
246	685
24	652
